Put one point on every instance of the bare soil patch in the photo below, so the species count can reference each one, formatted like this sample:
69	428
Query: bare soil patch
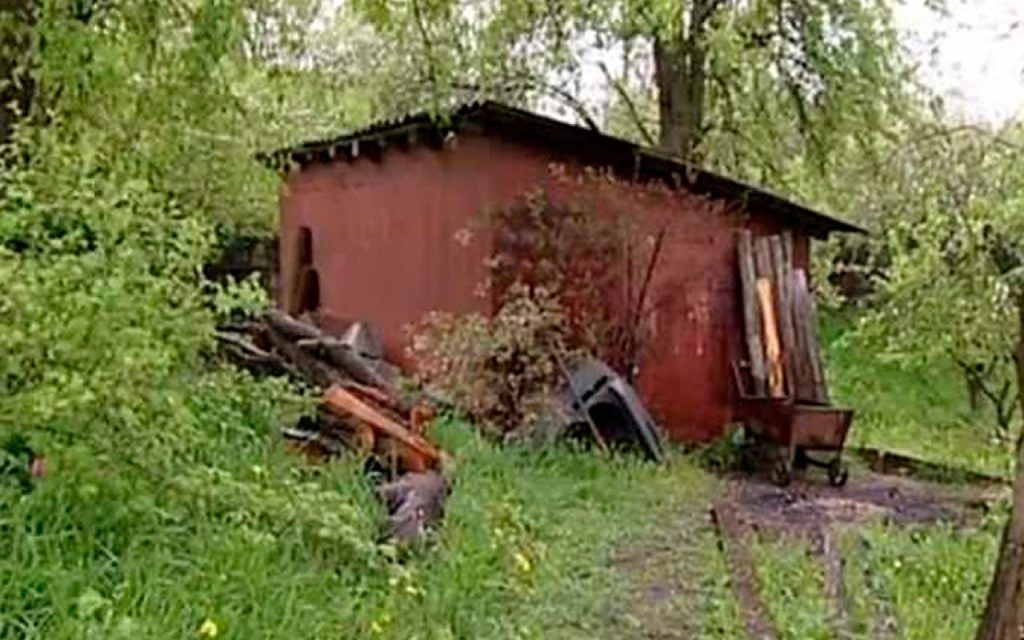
806	505
813	511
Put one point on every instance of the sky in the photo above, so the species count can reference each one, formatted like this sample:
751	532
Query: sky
973	56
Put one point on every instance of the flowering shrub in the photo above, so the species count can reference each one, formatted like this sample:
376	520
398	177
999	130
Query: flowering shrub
500	370
568	277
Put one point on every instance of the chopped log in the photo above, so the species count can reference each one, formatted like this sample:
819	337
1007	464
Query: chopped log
342	356
309	337
773	351
781	274
420	416
313	370
252	357
751	317
807	319
341	402
291	327
387	405
381	397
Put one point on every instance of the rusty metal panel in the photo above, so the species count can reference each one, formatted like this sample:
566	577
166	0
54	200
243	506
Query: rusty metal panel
394	239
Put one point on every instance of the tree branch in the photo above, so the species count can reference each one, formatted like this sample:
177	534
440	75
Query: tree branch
634	113
526	82
428	47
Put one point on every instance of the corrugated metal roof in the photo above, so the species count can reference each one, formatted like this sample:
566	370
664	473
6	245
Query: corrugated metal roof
574	140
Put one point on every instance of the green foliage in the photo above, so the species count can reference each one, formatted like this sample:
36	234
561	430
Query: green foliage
916	407
278	550
722	618
568	249
501	370
168	507
927	583
164	488
951	287
793	586
791	87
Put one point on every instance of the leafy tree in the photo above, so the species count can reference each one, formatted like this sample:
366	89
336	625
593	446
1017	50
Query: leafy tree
955	286
742	85
136	155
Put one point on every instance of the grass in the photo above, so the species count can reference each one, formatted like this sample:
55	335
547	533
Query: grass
793	588
526	551
722	619
918	409
916	584
919	584
246	541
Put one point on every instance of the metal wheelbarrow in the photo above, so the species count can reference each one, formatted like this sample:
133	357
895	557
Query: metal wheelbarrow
795	429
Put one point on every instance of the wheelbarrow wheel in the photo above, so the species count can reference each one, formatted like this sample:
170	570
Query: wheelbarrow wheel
780	473
800	460
838	474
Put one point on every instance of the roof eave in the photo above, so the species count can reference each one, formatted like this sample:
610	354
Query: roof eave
817	224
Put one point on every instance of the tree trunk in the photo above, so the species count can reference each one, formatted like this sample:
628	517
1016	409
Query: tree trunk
680	72
1004	611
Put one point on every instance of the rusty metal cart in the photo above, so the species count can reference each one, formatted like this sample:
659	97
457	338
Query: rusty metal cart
795	429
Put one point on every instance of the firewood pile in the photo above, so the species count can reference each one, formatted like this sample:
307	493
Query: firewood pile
780	321
361	409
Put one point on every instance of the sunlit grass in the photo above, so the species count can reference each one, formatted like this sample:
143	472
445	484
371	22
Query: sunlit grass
920	584
793	589
915	409
525	550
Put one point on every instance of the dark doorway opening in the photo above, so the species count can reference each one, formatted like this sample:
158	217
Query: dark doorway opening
306	289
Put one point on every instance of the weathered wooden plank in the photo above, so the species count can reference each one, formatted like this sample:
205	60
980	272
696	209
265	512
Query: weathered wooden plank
769	317
342	403
802	356
763	257
783	283
751	316
799	352
808	319
772	347
802	377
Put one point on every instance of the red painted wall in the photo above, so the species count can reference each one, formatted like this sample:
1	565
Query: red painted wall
389	245
387	234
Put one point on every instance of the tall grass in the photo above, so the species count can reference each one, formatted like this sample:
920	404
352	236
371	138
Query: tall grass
920	584
524	550
913	407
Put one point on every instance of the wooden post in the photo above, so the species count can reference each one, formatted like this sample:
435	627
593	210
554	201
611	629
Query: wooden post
751	317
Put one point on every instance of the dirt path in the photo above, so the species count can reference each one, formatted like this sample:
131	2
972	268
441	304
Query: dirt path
743	573
662	571
815	512
665	571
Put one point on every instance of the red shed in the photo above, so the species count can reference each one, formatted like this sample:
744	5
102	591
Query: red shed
381	216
